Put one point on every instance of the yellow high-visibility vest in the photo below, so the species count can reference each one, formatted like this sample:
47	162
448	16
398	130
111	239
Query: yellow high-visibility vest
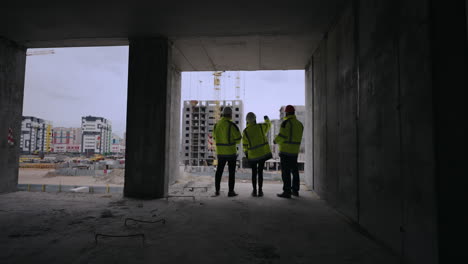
290	136
226	135
255	142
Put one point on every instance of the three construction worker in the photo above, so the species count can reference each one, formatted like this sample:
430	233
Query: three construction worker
226	135
289	141
256	149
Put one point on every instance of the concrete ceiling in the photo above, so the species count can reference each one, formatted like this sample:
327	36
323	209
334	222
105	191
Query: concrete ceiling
205	35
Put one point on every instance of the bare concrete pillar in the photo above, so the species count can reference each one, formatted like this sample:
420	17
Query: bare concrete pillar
12	69
151	153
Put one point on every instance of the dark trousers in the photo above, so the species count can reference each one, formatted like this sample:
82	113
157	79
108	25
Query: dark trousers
257	169
288	166
219	172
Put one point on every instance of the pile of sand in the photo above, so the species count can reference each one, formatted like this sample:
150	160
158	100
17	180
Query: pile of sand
116	176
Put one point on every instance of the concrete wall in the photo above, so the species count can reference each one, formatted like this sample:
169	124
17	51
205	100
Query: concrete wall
12	69
373	139
449	53
308	170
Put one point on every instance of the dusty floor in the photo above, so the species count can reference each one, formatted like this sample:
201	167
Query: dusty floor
61	228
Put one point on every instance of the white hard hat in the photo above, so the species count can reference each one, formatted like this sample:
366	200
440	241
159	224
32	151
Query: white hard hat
227	110
251	118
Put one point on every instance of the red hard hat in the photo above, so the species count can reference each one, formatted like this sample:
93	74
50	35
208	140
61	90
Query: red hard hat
289	109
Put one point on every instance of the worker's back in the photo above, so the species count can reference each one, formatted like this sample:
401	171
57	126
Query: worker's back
226	135
290	136
255	141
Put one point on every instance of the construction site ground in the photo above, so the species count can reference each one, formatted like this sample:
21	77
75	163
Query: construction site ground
42	176
41	227
115	177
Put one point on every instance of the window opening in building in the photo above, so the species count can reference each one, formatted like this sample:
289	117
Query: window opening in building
73	119
261	92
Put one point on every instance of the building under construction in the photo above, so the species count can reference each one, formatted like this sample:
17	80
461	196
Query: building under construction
199	118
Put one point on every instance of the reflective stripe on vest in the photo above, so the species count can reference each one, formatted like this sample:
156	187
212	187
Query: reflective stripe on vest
265	142
290	136
229	137
221	144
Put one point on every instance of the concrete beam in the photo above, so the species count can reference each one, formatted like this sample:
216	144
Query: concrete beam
12	69
149	83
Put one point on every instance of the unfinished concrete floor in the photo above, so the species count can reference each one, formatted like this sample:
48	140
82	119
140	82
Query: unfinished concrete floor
61	228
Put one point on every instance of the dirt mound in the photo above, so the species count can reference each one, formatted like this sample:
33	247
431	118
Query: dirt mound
116	176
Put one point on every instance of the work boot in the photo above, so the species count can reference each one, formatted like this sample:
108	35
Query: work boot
232	194
216	193
254	193
295	193
284	195
260	193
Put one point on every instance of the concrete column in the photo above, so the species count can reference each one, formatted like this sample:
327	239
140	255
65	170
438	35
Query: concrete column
12	69
152	129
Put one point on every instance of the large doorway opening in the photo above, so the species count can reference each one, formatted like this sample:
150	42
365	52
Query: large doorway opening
265	93
74	120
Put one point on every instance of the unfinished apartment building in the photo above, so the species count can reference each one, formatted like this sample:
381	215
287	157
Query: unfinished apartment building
199	118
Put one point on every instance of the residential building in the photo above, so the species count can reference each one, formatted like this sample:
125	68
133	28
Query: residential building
96	135
274	130
199	118
66	139
36	134
117	144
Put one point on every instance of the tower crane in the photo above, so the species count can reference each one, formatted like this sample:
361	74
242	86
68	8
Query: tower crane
217	93
217	110
237	85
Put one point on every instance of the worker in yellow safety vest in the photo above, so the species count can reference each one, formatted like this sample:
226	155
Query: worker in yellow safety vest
226	135
289	141
256	149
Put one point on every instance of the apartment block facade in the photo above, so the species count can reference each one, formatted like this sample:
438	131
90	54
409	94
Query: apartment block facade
117	144
198	120
36	135
66	139
96	135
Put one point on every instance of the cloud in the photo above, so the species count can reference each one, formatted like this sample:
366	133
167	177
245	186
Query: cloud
265	91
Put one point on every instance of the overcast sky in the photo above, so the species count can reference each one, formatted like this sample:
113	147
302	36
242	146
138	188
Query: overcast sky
263	92
75	82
